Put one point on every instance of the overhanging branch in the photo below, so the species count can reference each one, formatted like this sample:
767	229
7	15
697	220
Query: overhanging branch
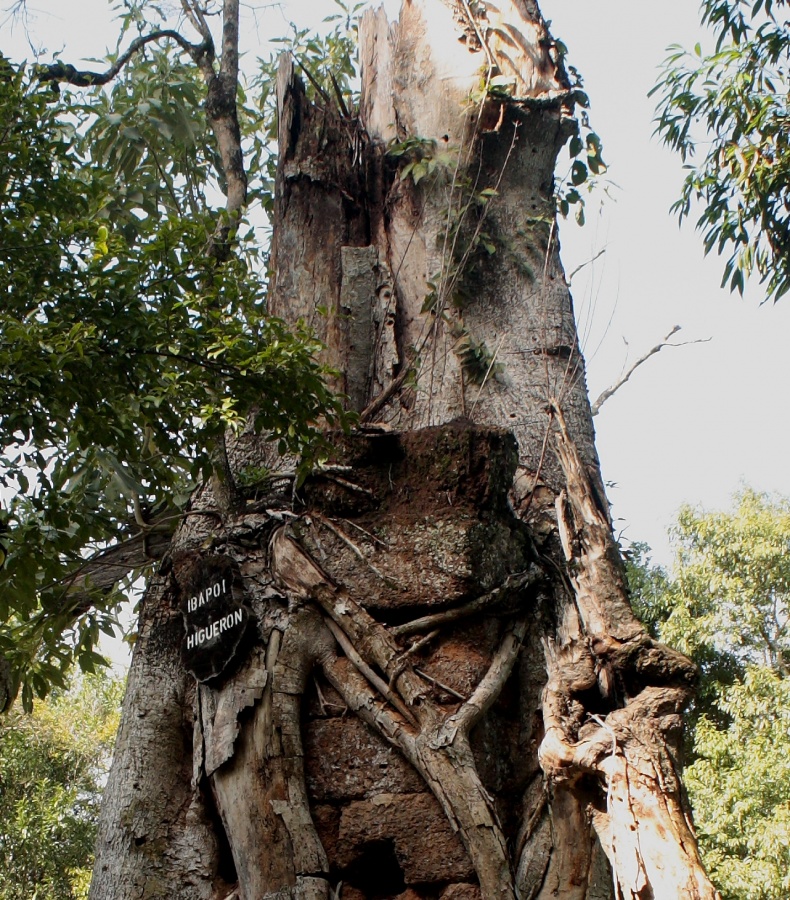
102	571
221	109
60	72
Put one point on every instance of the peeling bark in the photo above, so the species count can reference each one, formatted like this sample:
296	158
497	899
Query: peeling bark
447	694
643	826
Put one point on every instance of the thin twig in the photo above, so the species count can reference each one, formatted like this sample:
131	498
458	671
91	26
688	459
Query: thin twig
483	42
407	654
488	372
311	78
439	684
348	485
588	262
339	533
368	534
376	680
542	459
605	395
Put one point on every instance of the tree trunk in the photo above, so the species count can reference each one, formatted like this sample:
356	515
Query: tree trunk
441	690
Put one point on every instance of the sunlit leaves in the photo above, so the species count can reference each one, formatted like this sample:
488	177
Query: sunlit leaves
739	785
727	604
148	135
52	766
124	350
733	103
585	151
734	580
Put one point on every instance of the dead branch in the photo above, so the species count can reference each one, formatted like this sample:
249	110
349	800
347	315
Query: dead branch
587	262
650	845
305	579
408	654
344	482
448	767
375	680
440	684
597	575
342	536
612	389
358	696
100	573
376	405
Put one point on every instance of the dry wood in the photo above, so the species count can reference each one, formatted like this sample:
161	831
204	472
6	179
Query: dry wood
623	379
375	680
440	750
266	773
645	828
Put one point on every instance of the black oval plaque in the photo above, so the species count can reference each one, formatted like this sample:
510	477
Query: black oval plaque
215	617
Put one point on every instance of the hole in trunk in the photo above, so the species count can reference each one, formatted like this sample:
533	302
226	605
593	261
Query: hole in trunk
376	872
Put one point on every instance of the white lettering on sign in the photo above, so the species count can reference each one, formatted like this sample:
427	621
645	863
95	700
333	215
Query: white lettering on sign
214	629
210	593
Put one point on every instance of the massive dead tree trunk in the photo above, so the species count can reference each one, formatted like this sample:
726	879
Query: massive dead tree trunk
440	689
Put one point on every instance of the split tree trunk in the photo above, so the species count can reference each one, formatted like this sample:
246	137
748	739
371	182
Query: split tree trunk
445	692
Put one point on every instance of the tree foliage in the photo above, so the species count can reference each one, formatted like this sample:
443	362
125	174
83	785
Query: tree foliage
732	103
127	346
727	604
52	766
126	349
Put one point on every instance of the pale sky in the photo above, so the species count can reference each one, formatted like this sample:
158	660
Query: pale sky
694	423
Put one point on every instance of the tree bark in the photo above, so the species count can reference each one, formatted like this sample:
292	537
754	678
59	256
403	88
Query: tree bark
445	692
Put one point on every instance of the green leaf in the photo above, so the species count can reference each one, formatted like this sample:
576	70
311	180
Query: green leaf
578	173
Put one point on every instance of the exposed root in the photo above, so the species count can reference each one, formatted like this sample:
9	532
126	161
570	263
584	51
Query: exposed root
266	771
375	680
511	590
435	742
643	825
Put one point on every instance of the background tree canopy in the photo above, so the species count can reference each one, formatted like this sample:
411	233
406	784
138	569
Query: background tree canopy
53	764
733	103
727	604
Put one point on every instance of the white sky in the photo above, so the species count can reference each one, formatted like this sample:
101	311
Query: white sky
694	423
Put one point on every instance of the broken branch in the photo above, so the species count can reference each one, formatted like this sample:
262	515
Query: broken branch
376	680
